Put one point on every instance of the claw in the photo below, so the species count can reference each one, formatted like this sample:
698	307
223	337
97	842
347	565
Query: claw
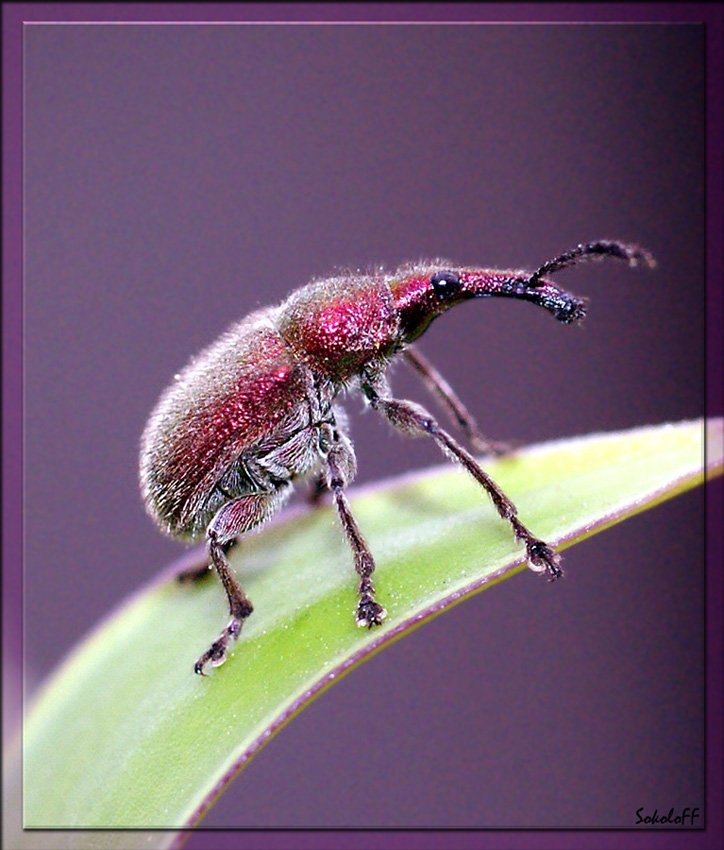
370	613
542	558
216	653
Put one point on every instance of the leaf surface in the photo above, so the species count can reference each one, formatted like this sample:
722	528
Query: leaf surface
120	737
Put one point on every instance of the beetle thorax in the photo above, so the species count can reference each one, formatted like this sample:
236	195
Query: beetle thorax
339	325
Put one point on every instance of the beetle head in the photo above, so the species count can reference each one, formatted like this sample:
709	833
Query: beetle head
423	292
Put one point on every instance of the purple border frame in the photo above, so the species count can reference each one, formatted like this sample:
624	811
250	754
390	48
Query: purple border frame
15	15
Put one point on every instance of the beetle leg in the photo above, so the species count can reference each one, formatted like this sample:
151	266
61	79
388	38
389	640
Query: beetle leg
194	574
318	489
438	386
340	469
415	421
232	519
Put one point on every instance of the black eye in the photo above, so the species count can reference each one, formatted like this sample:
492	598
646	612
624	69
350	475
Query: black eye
445	284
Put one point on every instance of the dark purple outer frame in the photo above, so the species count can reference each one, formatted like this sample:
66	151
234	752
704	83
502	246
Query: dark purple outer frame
153	241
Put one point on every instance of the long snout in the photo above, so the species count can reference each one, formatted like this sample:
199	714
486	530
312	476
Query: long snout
564	306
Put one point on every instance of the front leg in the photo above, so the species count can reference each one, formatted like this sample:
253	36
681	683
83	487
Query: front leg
415	421
438	386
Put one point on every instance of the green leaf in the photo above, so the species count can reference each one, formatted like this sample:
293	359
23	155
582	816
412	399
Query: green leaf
120	738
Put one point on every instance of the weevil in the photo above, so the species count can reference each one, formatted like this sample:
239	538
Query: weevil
257	410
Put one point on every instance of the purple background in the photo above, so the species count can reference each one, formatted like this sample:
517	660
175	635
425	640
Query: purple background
177	177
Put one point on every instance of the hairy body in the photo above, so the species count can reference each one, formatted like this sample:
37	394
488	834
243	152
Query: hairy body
255	411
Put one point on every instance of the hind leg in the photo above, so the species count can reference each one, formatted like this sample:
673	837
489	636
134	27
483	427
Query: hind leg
192	575
232	520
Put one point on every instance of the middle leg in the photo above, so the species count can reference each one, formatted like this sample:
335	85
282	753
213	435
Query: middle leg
340	469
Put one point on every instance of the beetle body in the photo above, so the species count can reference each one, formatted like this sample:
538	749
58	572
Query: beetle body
256	410
202	448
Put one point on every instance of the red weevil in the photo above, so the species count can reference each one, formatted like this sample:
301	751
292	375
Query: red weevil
256	410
